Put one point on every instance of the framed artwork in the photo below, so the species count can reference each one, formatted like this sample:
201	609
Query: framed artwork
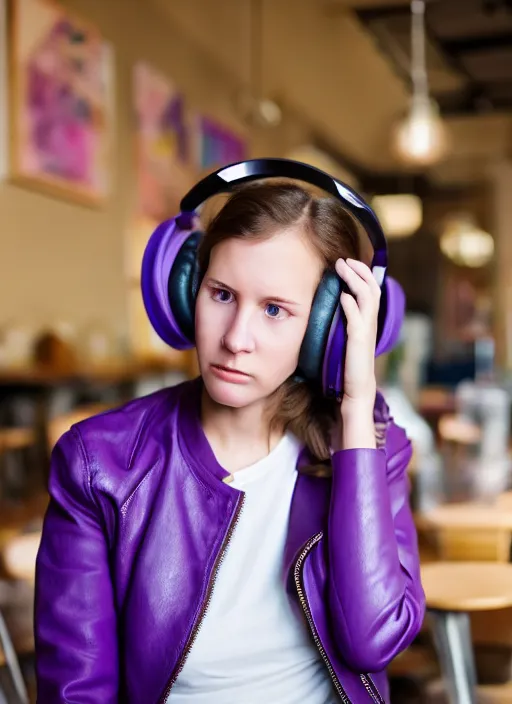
217	145
61	102
164	173
163	168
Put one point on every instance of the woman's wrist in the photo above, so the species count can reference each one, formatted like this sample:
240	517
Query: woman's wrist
357	424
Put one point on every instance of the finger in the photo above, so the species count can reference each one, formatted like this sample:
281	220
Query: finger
351	309
365	273
356	284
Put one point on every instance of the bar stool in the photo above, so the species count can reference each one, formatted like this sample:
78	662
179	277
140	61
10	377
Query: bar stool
453	590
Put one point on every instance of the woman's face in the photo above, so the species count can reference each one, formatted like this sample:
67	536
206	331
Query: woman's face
251	314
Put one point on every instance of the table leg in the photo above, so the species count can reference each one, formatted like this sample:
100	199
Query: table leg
452	636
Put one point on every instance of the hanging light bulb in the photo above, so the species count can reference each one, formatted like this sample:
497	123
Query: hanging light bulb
421	138
257	112
251	103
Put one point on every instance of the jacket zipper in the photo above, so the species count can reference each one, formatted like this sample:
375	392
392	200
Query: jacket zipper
372	689
305	606
365	678
206	601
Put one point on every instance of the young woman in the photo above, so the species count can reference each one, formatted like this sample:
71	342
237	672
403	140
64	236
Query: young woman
240	538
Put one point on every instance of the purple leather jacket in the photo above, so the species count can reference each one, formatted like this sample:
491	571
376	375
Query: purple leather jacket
134	535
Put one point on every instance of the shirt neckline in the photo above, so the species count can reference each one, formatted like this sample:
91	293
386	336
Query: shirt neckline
195	446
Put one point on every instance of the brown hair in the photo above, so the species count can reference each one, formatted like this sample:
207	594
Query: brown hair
257	211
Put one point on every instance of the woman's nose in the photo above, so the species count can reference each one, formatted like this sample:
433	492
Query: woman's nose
239	336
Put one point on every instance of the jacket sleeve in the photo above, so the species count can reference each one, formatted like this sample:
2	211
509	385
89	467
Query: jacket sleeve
75	618
375	595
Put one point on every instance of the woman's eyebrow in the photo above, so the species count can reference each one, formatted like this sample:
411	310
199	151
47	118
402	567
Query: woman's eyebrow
220	284
279	299
274	299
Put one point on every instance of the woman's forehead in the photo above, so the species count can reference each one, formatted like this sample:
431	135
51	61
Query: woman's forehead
281	262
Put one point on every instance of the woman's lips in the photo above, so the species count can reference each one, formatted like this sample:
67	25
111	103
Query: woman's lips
232	375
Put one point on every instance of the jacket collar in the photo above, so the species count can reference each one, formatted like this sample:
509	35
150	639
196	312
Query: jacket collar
193	441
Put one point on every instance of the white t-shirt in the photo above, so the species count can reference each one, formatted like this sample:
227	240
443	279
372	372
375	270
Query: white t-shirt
251	648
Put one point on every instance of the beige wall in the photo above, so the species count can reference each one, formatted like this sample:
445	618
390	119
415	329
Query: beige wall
501	179
320	63
64	262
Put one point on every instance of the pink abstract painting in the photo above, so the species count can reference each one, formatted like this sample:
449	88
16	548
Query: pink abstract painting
162	151
61	101
217	145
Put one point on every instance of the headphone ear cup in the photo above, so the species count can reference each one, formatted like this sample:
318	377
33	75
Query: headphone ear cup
322	352
323	310
184	284
391	315
161	260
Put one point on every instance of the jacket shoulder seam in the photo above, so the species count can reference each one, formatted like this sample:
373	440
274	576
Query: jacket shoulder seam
86	471
126	504
148	413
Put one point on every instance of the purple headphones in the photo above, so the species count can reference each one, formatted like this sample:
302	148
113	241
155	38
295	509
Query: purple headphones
170	276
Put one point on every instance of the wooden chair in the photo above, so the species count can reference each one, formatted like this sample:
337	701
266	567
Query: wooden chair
454	591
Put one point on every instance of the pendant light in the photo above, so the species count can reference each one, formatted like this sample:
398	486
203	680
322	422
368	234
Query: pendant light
420	139
465	243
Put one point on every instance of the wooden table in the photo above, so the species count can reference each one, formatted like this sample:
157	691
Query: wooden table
113	372
471	530
113	382
470	514
453	590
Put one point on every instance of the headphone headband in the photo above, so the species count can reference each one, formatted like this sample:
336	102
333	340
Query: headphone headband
228	177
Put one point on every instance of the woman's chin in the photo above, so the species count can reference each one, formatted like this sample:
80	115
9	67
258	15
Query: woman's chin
226	394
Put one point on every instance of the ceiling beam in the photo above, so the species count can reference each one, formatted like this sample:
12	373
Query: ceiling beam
465	45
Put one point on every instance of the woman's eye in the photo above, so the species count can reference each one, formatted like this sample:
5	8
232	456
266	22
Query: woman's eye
273	311
222	295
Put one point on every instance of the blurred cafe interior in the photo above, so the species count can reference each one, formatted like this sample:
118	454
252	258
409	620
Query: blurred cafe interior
111	111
